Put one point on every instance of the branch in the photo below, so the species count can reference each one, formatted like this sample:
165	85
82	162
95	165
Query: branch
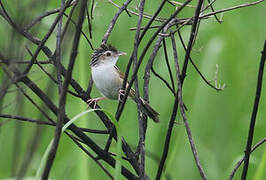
242	159
23	62
63	93
163	80
73	22
231	8
254	113
169	130
91	156
137	14
112	24
210	5
191	39
142	119
20	118
58	51
196	68
47	35
183	113
39	18
150	64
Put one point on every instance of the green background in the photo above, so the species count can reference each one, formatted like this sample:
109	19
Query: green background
219	120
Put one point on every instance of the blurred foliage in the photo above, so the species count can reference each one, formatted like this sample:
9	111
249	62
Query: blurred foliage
219	120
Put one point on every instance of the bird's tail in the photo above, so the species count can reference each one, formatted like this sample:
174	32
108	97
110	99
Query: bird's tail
145	107
148	110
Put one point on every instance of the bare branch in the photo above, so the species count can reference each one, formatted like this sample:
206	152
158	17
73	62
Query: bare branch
231	8
197	69
20	118
63	90
191	39
183	113
112	24
242	159
137	14
47	35
254	113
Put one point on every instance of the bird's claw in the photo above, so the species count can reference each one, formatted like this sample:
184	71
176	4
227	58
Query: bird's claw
121	94
94	101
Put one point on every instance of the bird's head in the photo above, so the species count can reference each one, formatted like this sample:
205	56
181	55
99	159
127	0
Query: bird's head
105	54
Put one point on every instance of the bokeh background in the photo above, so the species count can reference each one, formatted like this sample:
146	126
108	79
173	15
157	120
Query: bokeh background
219	120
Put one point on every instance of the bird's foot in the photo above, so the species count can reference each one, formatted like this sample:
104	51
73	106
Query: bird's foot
121	94
93	102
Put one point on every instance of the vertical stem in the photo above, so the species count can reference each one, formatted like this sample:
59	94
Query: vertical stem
62	100
182	109
254	113
142	119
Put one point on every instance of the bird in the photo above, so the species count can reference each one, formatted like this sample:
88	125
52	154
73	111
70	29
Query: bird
108	79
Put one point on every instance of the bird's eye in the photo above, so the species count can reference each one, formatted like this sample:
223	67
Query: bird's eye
108	54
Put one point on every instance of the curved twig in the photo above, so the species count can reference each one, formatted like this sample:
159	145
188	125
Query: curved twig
242	159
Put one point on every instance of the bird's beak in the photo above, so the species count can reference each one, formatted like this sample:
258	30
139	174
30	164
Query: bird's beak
119	53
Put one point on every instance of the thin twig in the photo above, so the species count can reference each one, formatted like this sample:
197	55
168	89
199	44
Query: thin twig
92	157
231	8
150	65
179	4
196	68
164	81
125	147
26	95
89	22
51	76
205	16
23	62
69	16
183	113
137	14
242	159
20	118
112	24
168	65
141	118
210	4
58	51
191	39
254	113
83	34
169	133
39	18
47	35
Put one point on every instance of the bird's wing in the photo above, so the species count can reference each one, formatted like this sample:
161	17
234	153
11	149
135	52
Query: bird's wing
132	93
121	74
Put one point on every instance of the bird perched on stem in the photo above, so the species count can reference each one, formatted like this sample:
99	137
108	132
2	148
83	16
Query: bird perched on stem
109	79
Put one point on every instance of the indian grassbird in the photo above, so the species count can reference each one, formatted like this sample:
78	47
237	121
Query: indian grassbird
109	79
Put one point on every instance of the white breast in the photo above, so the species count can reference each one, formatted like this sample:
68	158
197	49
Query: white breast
106	79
